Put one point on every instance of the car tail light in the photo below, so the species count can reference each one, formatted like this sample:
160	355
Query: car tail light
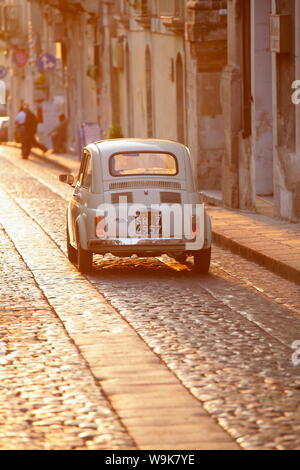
100	224
195	227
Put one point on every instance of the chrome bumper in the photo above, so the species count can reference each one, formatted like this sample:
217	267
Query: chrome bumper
141	243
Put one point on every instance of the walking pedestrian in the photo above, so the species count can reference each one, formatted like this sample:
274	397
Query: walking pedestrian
20	125
27	123
31	124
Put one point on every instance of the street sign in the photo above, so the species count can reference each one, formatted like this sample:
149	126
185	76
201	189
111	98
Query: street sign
3	72
88	132
47	62
91	132
20	58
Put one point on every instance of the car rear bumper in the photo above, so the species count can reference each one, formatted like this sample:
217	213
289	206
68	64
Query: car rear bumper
137	245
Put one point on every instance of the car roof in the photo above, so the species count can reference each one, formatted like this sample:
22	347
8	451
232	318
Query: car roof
129	145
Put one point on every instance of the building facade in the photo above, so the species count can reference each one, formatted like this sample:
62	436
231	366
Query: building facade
261	119
41	32
217	75
162	77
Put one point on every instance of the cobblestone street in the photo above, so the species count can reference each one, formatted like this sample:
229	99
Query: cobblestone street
77	353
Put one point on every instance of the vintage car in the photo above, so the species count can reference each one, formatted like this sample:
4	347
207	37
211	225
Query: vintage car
136	197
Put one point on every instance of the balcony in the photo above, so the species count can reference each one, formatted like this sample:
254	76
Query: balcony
174	24
121	12
171	13
142	13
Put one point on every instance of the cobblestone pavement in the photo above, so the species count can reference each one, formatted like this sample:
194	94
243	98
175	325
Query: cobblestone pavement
226	336
48	398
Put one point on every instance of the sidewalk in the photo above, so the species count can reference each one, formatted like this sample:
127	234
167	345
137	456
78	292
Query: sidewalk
270	242
67	162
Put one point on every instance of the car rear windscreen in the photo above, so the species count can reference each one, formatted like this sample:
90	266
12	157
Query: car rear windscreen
143	163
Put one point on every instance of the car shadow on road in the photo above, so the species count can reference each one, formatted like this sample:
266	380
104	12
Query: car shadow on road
142	267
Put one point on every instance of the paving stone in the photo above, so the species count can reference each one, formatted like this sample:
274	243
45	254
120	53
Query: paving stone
27	409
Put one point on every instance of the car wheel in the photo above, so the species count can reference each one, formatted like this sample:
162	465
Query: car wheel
72	252
202	261
84	259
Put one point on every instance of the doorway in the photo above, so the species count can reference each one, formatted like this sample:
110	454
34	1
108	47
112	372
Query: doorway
262	112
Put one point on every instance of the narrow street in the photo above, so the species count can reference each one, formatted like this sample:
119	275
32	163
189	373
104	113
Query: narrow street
222	342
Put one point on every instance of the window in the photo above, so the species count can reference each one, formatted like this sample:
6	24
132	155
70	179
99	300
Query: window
143	163
87	174
140	5
81	169
124	7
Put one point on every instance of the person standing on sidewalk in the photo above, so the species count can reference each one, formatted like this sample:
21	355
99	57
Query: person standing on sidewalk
30	129
59	135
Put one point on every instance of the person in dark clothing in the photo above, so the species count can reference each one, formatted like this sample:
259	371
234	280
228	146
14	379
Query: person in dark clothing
20	127
28	133
59	135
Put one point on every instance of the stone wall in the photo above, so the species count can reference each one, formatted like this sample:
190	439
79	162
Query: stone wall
286	159
206	49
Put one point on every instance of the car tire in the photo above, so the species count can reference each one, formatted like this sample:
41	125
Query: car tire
84	259
72	252
202	261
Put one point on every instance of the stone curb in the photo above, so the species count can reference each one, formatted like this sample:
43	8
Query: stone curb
276	266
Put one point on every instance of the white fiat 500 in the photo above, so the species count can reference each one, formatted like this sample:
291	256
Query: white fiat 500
136	196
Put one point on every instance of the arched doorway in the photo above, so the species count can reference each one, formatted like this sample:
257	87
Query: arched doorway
262	104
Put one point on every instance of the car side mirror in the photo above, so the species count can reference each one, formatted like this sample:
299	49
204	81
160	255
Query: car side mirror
68	179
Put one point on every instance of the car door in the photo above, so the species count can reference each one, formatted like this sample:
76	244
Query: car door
78	204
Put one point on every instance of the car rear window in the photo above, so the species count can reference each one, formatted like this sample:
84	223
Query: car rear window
143	163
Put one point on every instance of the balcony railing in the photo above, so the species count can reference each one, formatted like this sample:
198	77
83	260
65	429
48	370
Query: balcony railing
169	7
121	7
142	12
153	7
141	6
172	14
9	19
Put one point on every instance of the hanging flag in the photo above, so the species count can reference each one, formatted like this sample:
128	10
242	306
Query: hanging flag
47	62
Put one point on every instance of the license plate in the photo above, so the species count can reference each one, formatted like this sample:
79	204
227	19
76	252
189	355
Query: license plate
148	224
